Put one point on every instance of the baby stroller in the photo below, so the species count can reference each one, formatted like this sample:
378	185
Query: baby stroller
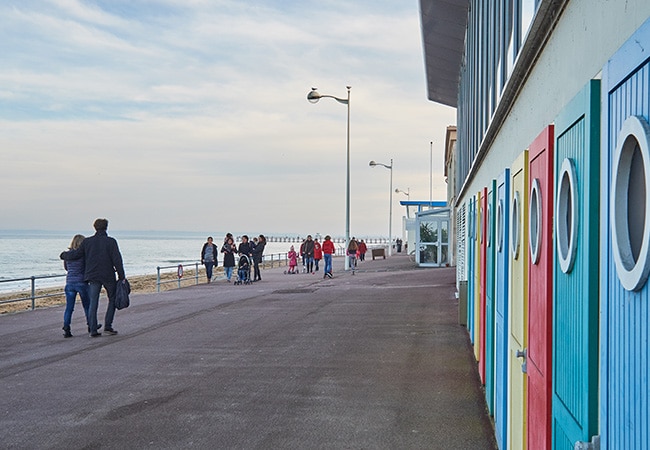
244	270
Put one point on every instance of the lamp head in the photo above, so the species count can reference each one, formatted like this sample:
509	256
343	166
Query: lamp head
372	164
313	96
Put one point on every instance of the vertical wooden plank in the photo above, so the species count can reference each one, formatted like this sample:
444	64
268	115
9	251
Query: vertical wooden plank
489	294
470	269
624	322
502	284
482	275
477	276
575	297
540	287
518	312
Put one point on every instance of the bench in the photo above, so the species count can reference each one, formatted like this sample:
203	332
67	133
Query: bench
377	252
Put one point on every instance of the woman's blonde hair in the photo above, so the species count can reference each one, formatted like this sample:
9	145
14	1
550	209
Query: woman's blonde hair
76	241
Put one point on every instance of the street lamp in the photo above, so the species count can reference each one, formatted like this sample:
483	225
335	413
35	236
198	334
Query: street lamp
390	209
314	96
407	192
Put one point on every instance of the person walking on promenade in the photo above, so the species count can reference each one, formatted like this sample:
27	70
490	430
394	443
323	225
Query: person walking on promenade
229	249
353	248
328	251
292	257
74	284
245	247
363	248
258	254
209	254
308	248
302	256
318	253
102	258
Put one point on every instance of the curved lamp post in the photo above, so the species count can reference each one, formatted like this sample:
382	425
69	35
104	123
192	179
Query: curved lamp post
314	96
407	192
390	209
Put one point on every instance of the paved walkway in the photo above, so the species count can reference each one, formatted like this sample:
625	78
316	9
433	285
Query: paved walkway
374	360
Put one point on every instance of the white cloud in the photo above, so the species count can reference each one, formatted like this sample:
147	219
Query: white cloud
163	113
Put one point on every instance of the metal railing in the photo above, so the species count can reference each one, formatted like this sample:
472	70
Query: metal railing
179	273
271	260
32	291
267	261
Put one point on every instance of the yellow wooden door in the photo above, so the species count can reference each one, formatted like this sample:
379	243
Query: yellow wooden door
518	302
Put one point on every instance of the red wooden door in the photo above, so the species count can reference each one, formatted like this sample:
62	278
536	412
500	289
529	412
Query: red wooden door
540	293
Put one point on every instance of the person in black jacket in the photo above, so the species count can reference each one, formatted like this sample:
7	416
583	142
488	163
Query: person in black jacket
102	259
245	246
308	248
258	253
209	254
229	249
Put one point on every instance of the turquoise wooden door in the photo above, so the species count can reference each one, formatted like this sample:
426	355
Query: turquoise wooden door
575	270
470	245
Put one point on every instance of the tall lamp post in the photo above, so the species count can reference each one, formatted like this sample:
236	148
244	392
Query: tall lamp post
313	96
390	209
431	174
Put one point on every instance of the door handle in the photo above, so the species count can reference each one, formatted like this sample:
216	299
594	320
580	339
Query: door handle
524	355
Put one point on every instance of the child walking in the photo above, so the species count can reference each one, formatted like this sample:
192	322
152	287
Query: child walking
292	256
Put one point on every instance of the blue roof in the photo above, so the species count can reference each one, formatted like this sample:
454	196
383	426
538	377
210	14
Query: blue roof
431	204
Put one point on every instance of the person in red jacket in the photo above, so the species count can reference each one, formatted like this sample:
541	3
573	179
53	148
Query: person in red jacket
318	253
363	248
328	250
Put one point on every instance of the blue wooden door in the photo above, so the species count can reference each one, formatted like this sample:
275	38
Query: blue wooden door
489	294
625	241
501	284
575	270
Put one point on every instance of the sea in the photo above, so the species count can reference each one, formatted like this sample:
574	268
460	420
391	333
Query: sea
27	253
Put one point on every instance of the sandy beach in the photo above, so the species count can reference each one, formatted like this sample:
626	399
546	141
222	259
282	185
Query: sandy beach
141	284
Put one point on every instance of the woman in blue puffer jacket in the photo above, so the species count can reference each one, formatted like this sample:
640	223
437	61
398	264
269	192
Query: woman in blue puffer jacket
74	284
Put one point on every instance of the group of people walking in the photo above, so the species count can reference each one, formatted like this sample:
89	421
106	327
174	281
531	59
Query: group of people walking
247	249
311	253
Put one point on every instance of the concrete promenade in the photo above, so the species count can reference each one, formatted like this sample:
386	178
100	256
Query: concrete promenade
374	360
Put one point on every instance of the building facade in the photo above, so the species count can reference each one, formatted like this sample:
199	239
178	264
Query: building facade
551	194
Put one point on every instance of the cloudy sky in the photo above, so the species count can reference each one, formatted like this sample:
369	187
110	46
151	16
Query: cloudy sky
192	114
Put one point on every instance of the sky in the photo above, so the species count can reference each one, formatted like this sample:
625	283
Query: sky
191	115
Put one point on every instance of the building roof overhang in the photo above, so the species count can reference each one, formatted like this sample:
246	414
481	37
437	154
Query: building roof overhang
443	25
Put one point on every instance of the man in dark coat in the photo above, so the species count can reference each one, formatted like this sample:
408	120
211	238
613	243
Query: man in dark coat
309	254
103	258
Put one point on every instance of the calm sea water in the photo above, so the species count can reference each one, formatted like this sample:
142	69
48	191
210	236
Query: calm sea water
36	253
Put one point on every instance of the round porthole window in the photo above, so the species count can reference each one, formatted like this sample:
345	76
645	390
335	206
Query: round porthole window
514	225
566	218
629	203
535	222
488	225
500	226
